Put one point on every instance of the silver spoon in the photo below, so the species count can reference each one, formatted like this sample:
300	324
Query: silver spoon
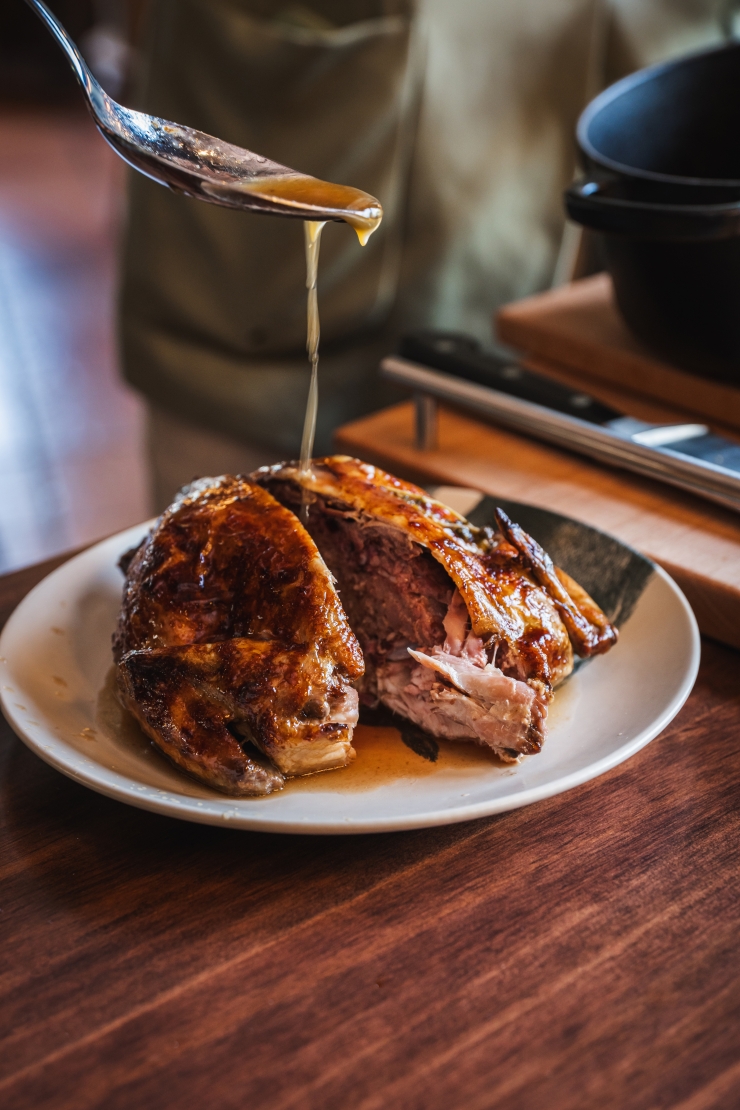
202	166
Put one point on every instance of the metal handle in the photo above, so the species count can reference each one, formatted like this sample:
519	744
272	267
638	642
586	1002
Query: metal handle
75	59
463	356
426	422
700	477
589	203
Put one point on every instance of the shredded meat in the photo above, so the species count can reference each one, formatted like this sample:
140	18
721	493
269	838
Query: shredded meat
453	691
465	632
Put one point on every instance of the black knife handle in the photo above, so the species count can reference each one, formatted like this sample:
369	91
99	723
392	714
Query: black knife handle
464	358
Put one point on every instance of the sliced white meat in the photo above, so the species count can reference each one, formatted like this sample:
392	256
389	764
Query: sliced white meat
453	698
456	624
459	638
487	683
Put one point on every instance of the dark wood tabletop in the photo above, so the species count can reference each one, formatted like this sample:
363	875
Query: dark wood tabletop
583	952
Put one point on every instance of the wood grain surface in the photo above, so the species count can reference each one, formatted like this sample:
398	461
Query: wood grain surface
696	542
579	326
583	952
624	400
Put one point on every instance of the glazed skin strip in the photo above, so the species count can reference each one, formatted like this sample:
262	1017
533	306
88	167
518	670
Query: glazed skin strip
589	630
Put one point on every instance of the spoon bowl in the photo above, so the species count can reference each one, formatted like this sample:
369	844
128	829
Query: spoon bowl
200	165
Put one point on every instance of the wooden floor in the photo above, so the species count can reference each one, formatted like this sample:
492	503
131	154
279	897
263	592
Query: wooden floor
71	459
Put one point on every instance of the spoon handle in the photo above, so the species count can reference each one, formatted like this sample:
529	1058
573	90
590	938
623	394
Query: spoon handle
75	59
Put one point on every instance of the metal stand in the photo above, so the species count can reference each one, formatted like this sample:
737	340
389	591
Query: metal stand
425	421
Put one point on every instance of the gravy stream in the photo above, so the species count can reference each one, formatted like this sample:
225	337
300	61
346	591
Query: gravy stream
312	230
363	213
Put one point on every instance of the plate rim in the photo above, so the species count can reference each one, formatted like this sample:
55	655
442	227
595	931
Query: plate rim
185	807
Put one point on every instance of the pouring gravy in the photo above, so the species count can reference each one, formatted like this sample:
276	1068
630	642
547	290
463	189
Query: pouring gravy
337	202
312	230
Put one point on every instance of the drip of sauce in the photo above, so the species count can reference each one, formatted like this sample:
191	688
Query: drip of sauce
360	211
329	201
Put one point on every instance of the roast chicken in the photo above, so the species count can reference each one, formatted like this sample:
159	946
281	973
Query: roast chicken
233	650
465	631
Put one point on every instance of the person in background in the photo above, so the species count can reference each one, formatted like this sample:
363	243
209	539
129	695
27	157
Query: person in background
458	117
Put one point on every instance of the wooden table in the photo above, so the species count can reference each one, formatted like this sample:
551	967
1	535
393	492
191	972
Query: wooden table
580	953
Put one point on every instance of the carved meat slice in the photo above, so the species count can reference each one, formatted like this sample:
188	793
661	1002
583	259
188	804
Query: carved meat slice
233	650
465	631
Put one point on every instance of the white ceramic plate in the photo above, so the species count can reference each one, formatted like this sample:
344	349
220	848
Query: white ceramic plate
55	655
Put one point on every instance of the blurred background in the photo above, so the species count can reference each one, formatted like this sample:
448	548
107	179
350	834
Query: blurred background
71	459
486	101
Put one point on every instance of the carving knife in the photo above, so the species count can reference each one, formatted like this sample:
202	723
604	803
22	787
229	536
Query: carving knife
455	368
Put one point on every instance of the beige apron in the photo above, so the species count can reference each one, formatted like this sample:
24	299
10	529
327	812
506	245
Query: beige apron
213	303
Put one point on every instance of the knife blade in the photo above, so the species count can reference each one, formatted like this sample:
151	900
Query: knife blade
454	367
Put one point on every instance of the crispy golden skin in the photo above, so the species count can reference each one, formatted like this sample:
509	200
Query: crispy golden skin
231	631
589	630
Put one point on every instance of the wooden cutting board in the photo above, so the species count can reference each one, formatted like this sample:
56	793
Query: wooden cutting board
696	542
578	326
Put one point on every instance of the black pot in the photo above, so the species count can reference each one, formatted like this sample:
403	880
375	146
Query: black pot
670	133
663	147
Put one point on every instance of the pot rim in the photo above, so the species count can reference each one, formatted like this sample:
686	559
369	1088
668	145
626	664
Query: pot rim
626	84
